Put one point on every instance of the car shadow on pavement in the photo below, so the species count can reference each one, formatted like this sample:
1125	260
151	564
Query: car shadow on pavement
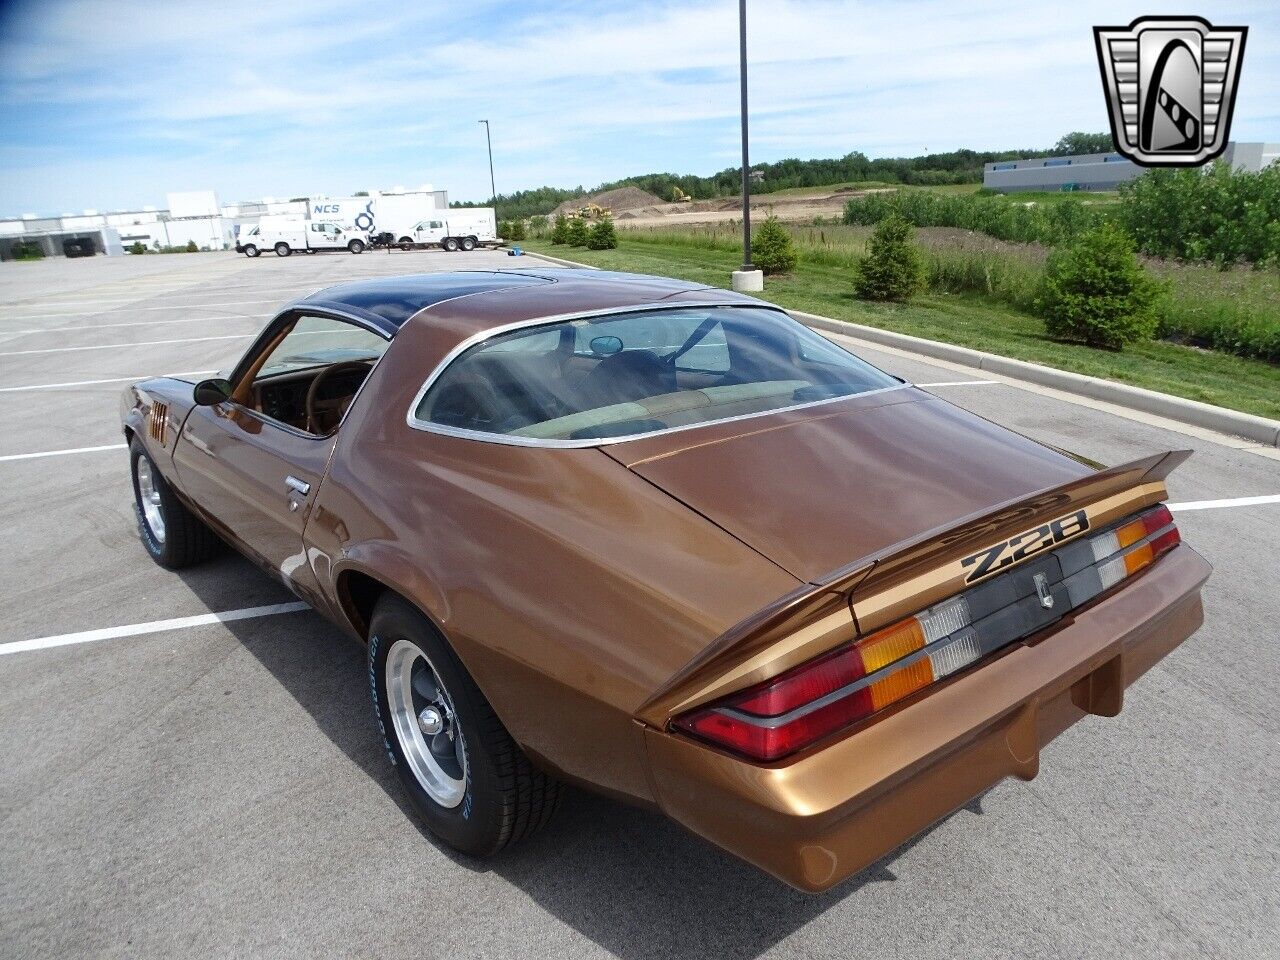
631	880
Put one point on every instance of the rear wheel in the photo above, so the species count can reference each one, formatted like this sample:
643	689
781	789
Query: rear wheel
283	249
469	781
356	246
172	534
251	251
450	244
468	243
406	244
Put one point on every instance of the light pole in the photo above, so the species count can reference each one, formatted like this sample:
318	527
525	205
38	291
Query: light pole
493	191
748	277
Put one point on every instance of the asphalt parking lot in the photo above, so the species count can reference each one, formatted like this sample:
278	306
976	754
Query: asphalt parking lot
219	789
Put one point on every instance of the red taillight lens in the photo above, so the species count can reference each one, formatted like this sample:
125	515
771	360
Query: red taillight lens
804	684
770	742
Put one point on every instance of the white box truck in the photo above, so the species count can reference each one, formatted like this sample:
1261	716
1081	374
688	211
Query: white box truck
285	234
460	228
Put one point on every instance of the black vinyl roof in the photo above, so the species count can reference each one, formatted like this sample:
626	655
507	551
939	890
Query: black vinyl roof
387	303
390	301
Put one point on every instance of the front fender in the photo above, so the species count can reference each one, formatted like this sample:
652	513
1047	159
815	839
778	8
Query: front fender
154	411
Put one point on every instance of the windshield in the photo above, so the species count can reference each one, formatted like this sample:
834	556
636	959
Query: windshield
623	375
321	341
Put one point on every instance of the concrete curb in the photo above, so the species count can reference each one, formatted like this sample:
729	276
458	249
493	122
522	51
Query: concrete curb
560	260
1206	415
1197	414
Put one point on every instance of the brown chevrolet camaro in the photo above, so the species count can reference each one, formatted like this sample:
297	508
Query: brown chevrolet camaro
667	543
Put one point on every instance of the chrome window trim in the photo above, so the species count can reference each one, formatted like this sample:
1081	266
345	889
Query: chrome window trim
416	423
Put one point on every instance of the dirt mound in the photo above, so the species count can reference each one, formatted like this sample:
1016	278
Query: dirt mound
618	201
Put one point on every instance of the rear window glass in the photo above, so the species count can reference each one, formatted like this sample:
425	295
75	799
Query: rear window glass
624	375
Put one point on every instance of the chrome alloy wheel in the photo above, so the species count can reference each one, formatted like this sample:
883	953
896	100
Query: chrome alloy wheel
426	725
149	500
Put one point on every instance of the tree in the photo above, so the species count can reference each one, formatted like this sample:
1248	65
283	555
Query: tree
577	235
603	236
892	269
191	247
137	247
1078	143
1096	292
771	248
560	231
361	193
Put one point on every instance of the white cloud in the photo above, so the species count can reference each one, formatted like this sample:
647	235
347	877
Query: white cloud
112	105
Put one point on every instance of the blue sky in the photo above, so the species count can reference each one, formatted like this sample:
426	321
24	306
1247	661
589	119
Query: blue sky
111	105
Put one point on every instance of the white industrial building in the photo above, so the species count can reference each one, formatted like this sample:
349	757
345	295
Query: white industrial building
1102	171
198	217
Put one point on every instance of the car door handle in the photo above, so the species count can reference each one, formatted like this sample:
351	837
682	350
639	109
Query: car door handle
296	485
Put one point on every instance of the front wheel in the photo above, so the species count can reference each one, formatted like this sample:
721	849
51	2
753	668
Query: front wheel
356	246
405	244
172	534
450	244
251	251
468	243
468	780
283	249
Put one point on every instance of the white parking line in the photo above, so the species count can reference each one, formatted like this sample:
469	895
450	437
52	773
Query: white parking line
92	383
959	383
62	453
116	346
1216	504
155	626
131	323
204	305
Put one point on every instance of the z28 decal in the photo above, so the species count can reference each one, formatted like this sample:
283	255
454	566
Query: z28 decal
1016	549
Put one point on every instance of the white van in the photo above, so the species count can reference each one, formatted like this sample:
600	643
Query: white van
457	229
287	234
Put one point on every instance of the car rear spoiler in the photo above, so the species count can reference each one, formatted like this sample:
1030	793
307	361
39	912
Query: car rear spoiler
896	582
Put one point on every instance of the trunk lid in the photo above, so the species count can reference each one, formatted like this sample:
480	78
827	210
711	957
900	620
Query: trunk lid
820	490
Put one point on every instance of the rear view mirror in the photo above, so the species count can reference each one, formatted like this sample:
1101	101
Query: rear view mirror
211	392
606	346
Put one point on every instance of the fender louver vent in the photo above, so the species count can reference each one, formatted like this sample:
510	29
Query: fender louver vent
157	420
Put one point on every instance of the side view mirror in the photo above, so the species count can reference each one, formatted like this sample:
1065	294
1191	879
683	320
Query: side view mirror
211	392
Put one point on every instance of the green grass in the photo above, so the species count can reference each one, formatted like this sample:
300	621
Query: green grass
967	319
1234	311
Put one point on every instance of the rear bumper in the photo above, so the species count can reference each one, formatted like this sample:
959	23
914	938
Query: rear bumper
821	818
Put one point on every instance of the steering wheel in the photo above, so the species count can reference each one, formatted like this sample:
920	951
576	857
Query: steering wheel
316	407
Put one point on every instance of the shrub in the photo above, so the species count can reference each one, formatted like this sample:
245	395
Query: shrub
517	230
577	235
771	248
1096	292
892	269
191	247
504	229
28	250
560	231
1049	222
602	236
137	247
1221	215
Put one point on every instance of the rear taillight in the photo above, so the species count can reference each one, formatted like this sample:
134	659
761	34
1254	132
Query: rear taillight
797	708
